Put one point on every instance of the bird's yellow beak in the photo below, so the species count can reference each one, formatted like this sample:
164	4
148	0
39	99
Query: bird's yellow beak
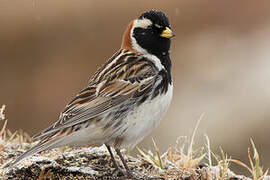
167	33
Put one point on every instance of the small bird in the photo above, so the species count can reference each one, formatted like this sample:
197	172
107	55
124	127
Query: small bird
124	100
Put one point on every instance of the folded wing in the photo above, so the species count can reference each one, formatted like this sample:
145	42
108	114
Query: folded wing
125	78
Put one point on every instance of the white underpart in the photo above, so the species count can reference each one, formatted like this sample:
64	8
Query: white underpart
142	23
145	118
92	135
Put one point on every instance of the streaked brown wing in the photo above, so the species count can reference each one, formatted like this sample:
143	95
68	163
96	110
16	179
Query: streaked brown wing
115	85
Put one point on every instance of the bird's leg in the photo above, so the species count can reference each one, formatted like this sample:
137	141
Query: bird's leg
124	162
112	157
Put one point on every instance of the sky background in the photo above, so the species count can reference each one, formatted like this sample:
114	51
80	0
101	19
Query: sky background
220	57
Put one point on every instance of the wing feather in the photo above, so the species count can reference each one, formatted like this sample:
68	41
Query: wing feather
114	87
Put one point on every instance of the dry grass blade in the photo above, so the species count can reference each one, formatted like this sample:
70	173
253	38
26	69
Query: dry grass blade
223	165
149	157
9	133
3	128
240	163
250	160
255	168
264	175
157	154
193	134
208	150
27	137
21	139
2	117
181	159
154	159
12	136
2	112
176	156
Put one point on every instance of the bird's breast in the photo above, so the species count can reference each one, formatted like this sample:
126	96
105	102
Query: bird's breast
145	117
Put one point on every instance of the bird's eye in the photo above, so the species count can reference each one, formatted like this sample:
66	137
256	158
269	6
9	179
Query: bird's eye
150	27
150	30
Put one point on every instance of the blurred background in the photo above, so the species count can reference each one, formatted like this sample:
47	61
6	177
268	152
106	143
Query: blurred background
220	56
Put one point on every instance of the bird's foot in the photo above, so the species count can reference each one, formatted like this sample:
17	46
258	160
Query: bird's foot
119	171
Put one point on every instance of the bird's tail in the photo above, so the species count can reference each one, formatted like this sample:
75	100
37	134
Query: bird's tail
41	146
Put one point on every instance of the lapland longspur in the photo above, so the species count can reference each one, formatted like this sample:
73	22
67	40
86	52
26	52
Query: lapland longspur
125	99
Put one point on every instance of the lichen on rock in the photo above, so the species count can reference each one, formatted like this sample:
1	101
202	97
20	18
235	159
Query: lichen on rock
73	163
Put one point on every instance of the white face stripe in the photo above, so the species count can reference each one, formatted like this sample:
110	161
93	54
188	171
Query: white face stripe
158	26
135	45
155	60
142	23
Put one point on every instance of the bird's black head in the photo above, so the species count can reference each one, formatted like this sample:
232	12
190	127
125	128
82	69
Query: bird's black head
151	32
